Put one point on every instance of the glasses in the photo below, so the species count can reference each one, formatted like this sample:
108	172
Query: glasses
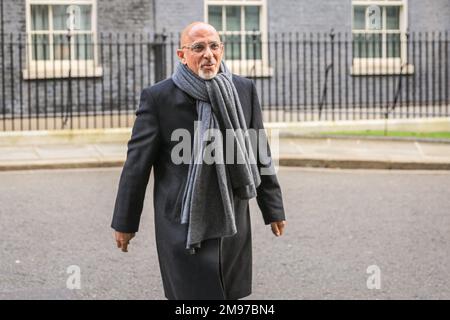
199	47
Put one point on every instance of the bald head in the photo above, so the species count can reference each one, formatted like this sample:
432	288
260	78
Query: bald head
197	29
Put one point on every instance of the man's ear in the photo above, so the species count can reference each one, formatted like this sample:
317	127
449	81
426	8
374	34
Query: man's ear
180	54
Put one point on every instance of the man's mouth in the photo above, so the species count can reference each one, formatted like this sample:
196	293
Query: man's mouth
208	65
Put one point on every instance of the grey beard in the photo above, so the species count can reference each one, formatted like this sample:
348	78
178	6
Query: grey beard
206	76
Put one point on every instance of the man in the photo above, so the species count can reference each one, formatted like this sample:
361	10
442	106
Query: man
202	219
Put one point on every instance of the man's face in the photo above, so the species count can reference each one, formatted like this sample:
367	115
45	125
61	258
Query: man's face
202	51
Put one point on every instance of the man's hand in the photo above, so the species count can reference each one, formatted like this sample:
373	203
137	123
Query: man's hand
123	240
278	227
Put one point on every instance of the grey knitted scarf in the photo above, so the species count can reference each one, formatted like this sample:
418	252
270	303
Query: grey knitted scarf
208	200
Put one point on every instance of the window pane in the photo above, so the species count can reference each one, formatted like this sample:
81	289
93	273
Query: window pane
84	47
252	18
393	45
61	47
367	46
86	18
393	18
232	47
82	17
39	17
233	18
253	47
59	17
40	47
215	17
359	17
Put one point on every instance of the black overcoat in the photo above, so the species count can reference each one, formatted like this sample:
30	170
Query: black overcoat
222	268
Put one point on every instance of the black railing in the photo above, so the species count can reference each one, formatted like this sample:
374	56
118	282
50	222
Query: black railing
77	83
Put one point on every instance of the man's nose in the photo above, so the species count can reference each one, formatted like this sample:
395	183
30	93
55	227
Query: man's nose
208	52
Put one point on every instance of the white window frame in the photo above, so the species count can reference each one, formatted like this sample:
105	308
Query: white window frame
246	67
48	69
384	65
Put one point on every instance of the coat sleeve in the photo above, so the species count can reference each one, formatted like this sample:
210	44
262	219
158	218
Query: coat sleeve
142	151
269	197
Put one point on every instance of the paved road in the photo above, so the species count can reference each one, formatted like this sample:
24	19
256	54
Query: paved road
339	223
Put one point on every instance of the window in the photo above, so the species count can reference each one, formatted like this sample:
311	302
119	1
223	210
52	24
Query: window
242	25
379	37
61	36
